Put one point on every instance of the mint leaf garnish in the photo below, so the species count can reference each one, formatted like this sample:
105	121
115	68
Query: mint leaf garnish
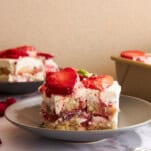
84	73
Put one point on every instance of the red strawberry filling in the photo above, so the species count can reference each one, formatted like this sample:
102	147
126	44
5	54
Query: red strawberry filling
61	82
49	117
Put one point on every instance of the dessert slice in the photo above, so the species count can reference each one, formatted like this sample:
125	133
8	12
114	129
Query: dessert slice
25	63
136	55
78	100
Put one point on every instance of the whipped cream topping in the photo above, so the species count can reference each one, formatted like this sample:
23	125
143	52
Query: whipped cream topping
28	63
89	96
111	94
146	58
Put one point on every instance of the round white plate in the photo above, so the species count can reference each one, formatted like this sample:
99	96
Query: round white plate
134	112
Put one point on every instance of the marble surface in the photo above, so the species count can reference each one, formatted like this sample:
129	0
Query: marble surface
16	139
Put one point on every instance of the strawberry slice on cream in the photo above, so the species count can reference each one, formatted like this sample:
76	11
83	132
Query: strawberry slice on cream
130	54
61	82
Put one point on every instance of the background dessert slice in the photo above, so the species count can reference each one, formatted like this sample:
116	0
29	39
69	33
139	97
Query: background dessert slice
25	63
136	55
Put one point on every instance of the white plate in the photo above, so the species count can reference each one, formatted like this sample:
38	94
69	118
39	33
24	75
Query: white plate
134	112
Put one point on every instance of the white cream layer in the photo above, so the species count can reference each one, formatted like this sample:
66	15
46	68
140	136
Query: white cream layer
24	69
110	95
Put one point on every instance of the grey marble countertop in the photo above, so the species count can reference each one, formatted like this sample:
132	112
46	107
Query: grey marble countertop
16	139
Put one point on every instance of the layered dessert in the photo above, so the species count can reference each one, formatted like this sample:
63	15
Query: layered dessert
136	55
24	64
79	100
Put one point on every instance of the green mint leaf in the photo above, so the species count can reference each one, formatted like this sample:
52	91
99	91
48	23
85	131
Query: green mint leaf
84	73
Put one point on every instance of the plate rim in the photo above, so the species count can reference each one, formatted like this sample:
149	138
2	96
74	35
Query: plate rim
73	131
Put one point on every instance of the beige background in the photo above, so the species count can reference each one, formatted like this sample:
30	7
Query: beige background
80	33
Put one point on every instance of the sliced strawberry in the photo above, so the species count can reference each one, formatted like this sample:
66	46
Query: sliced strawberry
45	55
129	54
61	82
15	53
98	82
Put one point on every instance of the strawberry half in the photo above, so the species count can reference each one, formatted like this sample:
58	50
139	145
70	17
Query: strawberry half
15	53
45	55
61	82
129	54
98	82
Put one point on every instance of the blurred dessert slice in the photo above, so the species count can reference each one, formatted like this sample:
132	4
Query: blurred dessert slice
78	100
136	55
25	63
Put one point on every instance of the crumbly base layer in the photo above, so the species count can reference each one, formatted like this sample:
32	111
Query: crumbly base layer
79	119
73	125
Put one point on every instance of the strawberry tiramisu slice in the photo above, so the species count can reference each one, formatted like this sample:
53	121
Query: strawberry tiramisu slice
25	63
78	100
